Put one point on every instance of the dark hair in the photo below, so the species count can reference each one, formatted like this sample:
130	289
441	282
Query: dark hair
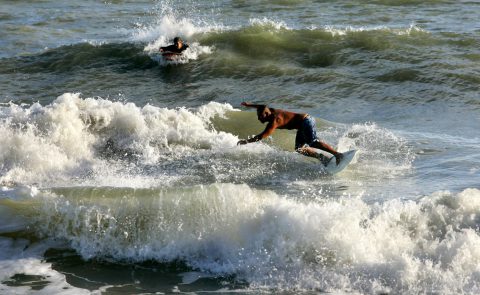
261	108
177	39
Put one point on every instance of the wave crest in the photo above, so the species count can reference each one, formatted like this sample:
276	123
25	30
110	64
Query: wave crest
277	243
74	133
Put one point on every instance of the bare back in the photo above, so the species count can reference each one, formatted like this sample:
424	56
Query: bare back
275	118
287	120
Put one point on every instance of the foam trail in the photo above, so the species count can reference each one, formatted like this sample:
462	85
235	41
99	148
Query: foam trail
383	153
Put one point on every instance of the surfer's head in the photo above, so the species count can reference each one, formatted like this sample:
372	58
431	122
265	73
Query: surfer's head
263	113
178	42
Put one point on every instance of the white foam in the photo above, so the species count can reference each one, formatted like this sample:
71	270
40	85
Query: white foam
381	151
274	242
170	24
337	31
65	139
266	22
18	257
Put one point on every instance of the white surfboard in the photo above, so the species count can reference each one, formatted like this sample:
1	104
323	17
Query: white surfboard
330	164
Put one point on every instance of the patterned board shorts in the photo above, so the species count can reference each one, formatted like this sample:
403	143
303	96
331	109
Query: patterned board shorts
307	133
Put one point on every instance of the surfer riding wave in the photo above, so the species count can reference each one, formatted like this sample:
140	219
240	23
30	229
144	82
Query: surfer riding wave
306	139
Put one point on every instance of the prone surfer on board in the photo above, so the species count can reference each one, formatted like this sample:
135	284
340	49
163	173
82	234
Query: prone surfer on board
175	49
306	138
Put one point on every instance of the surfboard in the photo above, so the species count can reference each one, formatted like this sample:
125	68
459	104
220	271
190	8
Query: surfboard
330	165
171	56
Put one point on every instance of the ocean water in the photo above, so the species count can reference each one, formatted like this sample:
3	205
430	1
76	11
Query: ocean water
120	173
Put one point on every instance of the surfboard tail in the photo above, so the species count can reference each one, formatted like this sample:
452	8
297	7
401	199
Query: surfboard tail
332	168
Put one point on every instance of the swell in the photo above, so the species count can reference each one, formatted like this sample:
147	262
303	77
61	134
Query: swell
71	58
337	62
321	47
259	42
266	49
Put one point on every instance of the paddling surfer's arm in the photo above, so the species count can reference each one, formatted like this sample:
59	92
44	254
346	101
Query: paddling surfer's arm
271	126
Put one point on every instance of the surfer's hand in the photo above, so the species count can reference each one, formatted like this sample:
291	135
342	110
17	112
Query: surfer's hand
243	141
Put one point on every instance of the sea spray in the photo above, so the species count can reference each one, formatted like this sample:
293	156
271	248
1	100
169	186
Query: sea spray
170	23
74	133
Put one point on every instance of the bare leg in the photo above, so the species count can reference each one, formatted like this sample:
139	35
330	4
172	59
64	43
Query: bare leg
310	152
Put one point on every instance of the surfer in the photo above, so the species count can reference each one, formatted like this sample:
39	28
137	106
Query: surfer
176	48
306	138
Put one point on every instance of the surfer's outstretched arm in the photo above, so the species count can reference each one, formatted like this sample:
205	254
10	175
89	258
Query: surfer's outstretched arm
267	132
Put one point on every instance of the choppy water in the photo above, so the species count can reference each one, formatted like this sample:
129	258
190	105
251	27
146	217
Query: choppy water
120	173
